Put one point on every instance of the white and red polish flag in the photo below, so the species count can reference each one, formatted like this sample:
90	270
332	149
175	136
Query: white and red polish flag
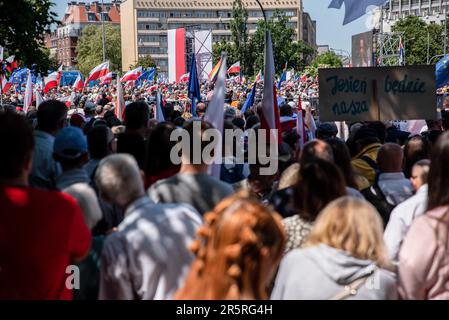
60	73
270	111
78	85
235	68
99	71
5	84
107	79
184	78
39	98
176	39
132	75
28	99
51	81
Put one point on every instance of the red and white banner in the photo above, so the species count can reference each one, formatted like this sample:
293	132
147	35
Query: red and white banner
176	54
235	68
98	72
51	81
107	79
132	75
78	85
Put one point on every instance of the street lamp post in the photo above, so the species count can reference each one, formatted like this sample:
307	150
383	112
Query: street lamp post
263	11
102	31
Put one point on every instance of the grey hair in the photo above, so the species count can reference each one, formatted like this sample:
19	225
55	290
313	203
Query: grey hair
118	179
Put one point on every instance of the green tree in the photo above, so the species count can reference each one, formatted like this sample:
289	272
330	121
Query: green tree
239	31
327	60
146	62
224	46
285	49
23	24
90	49
417	36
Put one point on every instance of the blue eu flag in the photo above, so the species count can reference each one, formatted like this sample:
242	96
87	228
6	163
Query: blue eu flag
194	85
442	72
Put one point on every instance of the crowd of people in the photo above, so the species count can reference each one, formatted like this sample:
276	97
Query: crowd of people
362	215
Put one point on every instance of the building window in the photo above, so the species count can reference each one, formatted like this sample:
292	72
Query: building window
91	16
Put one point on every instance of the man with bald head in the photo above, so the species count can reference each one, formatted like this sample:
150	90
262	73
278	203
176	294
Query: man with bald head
392	181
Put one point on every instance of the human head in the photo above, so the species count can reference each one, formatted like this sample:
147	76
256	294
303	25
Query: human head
195	130
70	148
285	111
316	149
89	109
353	226
319	182
364	136
342	159
51	116
118	179
390	158
17	144
417	148
101	142
326	130
239	247
200	109
438	173
137	115
159	147
420	173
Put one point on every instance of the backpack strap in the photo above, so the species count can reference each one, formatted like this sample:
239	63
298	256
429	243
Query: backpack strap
352	288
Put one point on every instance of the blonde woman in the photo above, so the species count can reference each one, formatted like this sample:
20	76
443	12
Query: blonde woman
344	257
239	249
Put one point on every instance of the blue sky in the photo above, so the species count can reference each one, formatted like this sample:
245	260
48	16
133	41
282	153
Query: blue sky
330	29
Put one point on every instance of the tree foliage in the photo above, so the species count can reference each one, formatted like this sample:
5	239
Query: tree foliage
417	36
249	50
146	62
90	49
328	59
23	24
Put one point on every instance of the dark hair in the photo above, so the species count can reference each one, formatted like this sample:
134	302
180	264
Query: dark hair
285	111
316	149
194	134
319	183
137	115
50	115
445	119
342	160
111	119
417	148
159	147
380	129
16	143
133	144
438	194
179	121
98	142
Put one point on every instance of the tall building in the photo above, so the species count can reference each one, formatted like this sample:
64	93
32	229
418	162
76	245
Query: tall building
431	11
62	42
144	23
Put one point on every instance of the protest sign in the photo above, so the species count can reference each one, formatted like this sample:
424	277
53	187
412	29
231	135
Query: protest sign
377	93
